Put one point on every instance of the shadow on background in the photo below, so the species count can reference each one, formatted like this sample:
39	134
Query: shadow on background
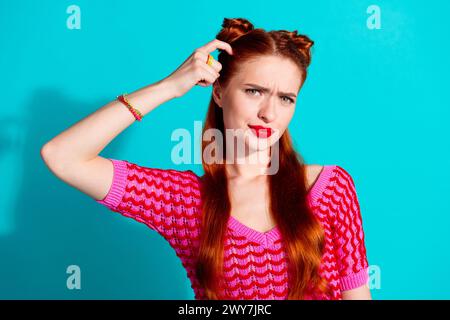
53	225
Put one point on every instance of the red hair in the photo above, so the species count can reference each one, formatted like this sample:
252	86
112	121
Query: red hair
302	234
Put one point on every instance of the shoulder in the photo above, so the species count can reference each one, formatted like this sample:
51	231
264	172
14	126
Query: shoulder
344	188
325	180
343	177
333	171
161	176
339	180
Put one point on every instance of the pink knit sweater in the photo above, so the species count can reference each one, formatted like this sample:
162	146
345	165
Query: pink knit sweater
255	264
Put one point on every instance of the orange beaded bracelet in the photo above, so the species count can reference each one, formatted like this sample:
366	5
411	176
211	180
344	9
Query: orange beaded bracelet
136	113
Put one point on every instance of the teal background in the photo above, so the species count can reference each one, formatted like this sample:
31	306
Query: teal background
376	102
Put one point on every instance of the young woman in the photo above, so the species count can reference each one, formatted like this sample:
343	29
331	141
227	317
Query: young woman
242	231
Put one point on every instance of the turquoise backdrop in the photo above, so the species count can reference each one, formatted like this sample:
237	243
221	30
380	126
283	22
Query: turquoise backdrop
376	102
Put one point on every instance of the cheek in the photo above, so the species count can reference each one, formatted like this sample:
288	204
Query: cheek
287	115
233	117
241	109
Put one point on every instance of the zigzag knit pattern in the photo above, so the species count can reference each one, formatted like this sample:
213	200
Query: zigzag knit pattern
255	263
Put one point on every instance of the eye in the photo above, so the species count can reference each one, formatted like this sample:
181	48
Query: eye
289	99
251	90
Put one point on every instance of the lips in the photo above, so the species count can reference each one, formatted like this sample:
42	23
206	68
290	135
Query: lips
261	132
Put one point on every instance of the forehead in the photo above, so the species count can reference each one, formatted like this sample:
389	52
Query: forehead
271	72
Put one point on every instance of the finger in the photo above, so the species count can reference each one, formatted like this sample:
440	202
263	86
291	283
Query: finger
210	70
216	65
217	44
207	77
205	82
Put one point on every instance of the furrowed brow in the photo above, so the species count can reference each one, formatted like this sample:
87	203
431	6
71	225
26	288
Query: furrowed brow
267	90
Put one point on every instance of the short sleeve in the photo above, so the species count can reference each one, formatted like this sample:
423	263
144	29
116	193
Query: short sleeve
166	200
349	239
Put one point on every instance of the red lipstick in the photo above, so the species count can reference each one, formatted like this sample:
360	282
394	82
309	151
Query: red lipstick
261	132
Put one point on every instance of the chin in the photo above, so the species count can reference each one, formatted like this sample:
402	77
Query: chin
259	144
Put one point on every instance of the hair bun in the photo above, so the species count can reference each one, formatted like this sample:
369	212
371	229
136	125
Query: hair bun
233	29
302	42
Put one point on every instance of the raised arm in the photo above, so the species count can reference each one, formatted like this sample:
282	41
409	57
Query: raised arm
73	155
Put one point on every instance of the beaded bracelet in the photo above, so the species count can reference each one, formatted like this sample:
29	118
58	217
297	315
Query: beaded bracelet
136	113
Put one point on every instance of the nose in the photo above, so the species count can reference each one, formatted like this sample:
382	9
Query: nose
267	111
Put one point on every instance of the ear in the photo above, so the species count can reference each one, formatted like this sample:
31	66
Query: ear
217	94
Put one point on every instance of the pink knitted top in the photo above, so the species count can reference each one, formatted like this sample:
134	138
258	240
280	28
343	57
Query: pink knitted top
255	264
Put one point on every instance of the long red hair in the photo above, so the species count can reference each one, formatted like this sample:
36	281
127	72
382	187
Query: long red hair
302	234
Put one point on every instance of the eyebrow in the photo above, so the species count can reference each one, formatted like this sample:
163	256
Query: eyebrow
267	90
